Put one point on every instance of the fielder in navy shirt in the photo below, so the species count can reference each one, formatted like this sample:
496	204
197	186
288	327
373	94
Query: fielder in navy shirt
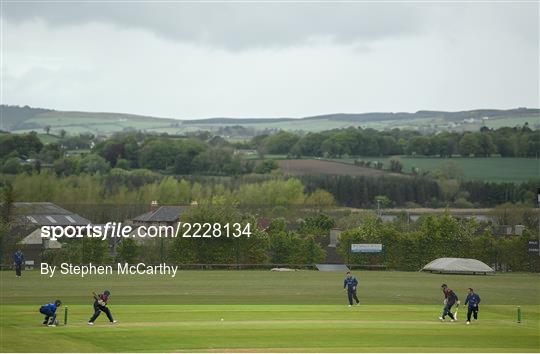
350	283
473	300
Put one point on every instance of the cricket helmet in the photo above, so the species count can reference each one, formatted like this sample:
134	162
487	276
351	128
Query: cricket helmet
444	286
57	302
107	292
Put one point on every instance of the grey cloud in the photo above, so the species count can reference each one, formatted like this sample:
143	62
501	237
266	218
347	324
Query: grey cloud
235	25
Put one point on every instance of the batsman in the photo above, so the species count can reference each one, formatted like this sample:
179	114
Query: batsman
450	299
100	304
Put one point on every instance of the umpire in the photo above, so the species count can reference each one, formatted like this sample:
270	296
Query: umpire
350	284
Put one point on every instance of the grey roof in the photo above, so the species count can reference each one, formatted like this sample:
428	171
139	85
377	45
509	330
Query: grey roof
34	238
45	213
457	265
166	213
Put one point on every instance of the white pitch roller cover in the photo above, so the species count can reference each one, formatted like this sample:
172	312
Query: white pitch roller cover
457	266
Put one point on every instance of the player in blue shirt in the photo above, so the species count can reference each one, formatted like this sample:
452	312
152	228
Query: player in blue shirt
18	260
350	284
473	300
49	310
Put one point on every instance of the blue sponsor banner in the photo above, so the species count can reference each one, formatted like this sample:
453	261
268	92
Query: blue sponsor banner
366	247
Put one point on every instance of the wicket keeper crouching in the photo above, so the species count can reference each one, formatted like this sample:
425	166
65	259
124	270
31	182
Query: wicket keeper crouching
49	310
100	304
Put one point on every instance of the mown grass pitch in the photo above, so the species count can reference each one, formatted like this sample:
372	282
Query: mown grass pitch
265	311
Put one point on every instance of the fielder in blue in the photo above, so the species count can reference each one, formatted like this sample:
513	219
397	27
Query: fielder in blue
473	300
350	283
18	260
49	310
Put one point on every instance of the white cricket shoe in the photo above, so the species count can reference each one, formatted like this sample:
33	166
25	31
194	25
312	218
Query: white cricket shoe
113	322
452	320
441	319
350	305
90	323
468	322
51	325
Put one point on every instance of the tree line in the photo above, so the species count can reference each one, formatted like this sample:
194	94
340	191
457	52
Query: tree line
434	237
139	187
506	142
84	154
362	191
407	247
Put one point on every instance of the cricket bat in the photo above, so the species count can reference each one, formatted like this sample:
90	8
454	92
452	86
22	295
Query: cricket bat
101	302
455	313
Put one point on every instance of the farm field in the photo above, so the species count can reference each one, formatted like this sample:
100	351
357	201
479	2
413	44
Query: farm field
495	169
316	167
270	311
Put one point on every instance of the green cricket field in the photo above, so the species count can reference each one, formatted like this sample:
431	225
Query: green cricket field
269	311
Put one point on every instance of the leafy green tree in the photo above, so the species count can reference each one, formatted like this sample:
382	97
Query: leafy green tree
66	166
319	223
266	166
12	165
158	155
92	164
128	250
485	145
469	145
311	252
19	145
280	143
95	251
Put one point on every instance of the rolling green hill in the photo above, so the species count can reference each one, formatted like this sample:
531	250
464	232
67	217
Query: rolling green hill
22	119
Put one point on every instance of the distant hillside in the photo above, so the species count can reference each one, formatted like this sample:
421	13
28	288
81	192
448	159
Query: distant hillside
22	119
13	115
449	116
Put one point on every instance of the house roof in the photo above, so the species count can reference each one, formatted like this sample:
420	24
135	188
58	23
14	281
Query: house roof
45	213
34	238
165	213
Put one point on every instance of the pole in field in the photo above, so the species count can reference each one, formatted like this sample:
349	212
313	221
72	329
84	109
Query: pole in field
519	314
65	315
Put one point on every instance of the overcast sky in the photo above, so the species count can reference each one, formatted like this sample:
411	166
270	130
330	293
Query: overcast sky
196	60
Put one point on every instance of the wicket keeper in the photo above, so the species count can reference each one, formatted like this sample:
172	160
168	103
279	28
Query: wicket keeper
473	300
350	283
100	304
49	310
450	299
